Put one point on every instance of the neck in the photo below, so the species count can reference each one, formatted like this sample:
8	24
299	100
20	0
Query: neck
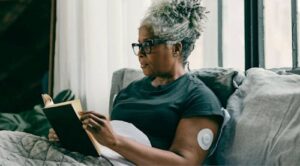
167	78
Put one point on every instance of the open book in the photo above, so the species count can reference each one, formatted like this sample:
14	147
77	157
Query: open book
65	120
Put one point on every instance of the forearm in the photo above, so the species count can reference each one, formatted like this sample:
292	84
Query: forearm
144	155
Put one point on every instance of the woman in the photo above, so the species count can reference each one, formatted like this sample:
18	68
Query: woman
178	113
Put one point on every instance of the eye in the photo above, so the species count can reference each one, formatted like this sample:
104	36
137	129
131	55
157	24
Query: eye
146	44
146	47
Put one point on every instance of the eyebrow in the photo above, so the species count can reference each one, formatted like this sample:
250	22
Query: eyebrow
144	40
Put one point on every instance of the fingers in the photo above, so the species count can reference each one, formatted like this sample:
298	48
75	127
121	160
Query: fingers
84	114
53	139
92	116
91	124
92	121
52	136
51	130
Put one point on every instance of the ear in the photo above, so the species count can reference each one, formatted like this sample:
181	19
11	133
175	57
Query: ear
177	48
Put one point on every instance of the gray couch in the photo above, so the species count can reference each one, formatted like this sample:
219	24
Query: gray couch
264	128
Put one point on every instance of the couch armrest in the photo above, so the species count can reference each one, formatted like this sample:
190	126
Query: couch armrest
121	79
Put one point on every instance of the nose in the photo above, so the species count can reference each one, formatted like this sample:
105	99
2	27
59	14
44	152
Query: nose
141	54
141	57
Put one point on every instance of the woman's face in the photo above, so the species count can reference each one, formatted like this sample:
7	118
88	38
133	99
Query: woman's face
160	62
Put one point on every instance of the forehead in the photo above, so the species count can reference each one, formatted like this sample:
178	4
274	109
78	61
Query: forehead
145	32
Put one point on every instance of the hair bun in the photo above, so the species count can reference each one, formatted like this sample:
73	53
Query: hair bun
176	20
186	7
191	10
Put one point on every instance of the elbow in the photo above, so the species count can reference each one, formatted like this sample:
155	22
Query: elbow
183	160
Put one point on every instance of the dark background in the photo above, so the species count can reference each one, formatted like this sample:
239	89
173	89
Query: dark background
24	52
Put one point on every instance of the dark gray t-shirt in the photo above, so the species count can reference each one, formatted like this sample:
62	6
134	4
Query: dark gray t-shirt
157	110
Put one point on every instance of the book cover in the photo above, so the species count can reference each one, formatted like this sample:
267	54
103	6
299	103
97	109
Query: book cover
65	120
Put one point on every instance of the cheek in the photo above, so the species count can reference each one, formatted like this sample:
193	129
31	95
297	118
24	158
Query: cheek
166	58
161	62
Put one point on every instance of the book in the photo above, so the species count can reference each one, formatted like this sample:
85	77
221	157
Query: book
65	119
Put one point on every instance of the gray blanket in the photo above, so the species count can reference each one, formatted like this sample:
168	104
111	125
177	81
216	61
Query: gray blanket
19	148
31	121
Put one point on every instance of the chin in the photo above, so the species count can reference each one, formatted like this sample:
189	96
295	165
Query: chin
147	72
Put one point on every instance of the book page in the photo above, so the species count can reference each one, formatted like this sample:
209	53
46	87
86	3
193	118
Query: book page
77	107
65	103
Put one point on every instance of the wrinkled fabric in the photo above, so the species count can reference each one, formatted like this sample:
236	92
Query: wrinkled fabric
265	124
18	149
31	121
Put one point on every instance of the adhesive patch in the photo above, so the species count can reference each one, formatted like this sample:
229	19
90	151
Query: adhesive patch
205	138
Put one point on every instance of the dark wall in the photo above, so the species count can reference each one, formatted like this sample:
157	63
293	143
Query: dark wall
24	51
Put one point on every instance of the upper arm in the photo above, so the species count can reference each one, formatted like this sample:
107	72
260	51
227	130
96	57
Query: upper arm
185	141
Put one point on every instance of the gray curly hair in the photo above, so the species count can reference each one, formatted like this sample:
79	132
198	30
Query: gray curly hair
177	20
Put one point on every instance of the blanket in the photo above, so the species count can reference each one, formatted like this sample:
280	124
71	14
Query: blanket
34	120
20	148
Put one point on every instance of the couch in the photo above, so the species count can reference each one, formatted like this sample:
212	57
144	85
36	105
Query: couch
264	105
264	128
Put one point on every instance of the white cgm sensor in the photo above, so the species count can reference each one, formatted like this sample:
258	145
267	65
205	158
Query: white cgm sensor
205	138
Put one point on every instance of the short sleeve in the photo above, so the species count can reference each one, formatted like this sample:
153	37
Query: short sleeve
201	101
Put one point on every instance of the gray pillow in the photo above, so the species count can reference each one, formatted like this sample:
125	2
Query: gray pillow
221	81
265	121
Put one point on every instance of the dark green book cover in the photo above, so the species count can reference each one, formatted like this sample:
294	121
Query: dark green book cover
68	127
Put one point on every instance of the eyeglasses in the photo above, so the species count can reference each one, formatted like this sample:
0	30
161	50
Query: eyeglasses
145	47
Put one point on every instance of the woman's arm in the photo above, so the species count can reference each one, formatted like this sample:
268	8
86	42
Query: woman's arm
185	149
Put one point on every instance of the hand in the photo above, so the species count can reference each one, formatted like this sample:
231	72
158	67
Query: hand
52	136
99	126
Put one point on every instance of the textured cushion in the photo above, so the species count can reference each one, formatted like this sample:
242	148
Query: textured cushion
220	80
265	124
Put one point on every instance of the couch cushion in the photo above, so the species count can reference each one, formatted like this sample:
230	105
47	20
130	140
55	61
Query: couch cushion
265	124
121	79
221	81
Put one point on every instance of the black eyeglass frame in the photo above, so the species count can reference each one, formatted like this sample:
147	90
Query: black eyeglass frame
148	44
